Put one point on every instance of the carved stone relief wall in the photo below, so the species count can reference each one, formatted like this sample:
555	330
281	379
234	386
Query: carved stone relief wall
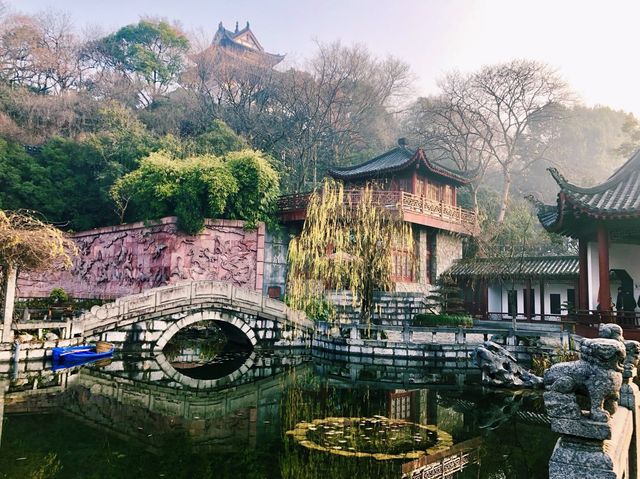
127	259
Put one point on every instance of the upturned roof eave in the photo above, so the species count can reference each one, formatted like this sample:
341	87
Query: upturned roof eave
417	157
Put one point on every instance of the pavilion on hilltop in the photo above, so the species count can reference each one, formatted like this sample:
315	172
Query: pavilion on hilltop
240	45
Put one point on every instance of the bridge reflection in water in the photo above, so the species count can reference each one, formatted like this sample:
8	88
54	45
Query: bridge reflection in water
142	417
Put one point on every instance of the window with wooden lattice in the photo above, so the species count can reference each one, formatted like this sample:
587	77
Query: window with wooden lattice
402	266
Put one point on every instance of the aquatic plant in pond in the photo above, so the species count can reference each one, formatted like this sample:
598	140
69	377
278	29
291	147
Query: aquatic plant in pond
377	437
347	243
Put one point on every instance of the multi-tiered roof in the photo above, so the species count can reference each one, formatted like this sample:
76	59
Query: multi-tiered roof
241	45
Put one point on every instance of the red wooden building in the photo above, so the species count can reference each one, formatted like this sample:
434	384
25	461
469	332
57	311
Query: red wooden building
426	195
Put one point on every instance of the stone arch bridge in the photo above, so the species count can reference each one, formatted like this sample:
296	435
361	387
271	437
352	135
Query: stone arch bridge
147	321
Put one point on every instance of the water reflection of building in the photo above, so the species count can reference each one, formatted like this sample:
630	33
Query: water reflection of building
445	464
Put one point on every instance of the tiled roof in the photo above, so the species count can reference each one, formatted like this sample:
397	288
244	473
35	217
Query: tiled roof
618	198
528	267
619	195
394	160
226	38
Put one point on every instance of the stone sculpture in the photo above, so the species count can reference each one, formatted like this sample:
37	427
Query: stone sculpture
598	374
500	368
599	442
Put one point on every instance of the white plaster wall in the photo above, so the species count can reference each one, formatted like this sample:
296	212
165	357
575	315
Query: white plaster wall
621	256
625	256
498	296
560	288
494	298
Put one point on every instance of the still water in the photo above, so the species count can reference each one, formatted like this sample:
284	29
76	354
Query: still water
264	414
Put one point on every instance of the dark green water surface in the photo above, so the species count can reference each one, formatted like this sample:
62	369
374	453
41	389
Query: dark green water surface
268	415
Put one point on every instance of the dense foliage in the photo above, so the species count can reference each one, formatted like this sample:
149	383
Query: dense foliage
242	185
78	112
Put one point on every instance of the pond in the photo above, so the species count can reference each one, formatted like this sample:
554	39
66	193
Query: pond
266	414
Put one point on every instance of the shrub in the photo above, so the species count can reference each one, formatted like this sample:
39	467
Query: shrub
318	309
58	296
442	320
258	187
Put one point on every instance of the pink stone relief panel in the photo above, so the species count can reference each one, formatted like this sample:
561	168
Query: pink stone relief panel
114	262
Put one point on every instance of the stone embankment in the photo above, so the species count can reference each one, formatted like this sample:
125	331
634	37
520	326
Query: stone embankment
450	346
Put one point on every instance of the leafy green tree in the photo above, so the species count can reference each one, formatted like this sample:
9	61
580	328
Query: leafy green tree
149	55
192	189
258	189
447	297
19	177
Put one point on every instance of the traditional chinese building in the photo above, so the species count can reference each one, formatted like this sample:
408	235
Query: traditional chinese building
426	195
605	219
529	288
231	47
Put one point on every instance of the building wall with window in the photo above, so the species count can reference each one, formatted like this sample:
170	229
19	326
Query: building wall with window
506	298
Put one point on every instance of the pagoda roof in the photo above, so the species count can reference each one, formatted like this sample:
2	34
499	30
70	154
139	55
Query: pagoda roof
395	160
534	267
244	42
618	198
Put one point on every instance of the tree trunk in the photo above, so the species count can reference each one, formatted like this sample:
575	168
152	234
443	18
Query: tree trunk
505	196
9	289
474	198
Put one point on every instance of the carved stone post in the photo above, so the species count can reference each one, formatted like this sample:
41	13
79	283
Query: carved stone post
630	399
4	385
7	307
597	443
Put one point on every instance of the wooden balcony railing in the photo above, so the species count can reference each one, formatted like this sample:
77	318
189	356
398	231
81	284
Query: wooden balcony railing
397	200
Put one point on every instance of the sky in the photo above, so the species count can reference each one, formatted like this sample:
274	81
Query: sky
593	44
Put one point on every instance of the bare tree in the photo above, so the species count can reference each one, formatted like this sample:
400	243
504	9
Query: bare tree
451	131
337	105
484	118
41	52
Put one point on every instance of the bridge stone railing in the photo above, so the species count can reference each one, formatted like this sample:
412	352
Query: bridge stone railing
186	296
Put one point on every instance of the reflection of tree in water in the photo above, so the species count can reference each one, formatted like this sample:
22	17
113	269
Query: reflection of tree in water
517	441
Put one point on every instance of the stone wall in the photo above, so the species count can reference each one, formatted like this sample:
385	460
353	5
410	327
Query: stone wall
448	249
392	308
127	259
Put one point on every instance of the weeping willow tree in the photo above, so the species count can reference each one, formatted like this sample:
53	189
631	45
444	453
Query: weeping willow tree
347	243
26	243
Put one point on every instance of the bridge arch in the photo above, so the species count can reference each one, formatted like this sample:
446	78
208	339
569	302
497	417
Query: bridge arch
194	383
154	316
242	328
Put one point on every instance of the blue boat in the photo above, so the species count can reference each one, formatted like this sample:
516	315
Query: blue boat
76	354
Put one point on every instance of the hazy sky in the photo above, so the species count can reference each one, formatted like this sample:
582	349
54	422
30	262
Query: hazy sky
594	44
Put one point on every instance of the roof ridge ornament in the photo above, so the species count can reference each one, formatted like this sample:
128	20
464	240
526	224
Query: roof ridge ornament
535	201
559	177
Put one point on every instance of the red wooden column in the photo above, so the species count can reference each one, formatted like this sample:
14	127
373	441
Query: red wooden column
604	293
583	276
414	183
